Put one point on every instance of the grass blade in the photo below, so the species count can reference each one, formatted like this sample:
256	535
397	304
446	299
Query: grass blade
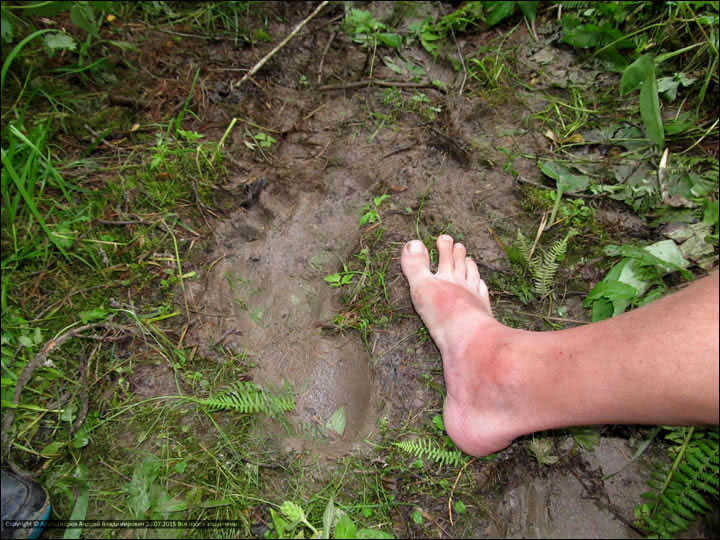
650	109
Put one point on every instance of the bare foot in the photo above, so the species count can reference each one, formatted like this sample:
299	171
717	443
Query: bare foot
482	410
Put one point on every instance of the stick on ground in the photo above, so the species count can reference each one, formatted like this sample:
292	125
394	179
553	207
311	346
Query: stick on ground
280	45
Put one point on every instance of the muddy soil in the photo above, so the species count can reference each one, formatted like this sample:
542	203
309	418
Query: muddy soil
292	217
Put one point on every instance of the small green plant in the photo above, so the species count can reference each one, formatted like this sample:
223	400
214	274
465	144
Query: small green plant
371	210
636	279
541	449
566	183
291	521
146	497
259	142
470	14
367	31
544	264
684	489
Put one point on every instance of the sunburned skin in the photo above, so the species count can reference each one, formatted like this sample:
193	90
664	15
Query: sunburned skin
656	364
455	306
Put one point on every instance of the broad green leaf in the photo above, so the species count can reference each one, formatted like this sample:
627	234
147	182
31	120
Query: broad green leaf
379	200
52	449
634	274
668	253
668	86
82	15
389	39
584	36
602	309
345	528
567	182
553	169
417	517
279	523
81	439
292	511
337	421
529	9
610	298
664	254
650	110
499	11
636	73
459	507
611	290
571	183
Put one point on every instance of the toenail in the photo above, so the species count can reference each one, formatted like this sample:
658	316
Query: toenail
415	246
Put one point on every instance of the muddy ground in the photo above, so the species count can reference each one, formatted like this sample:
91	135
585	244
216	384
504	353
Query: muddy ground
285	220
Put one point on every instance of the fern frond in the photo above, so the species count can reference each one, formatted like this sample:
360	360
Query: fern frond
524	247
248	398
427	448
680	490
545	266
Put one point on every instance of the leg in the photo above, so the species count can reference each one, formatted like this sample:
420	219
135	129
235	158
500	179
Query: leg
654	365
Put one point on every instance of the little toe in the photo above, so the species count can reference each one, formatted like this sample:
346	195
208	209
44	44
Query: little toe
415	262
446	263
484	296
460	270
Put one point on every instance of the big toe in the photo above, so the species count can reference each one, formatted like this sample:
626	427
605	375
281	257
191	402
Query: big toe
415	262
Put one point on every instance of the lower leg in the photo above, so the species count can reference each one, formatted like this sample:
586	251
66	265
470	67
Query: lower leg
656	365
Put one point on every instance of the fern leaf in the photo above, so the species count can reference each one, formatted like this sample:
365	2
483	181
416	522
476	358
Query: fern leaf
676	500
247	398
426	448
545	266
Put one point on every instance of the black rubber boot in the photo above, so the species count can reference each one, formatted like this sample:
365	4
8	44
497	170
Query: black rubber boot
24	503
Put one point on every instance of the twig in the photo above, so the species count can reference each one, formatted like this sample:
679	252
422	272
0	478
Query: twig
322	58
36	362
284	42
540	230
452	491
462	85
378	82
398	150
84	400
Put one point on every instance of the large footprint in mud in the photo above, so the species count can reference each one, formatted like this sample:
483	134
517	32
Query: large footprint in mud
266	295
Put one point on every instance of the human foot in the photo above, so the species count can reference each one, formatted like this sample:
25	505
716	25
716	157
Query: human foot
482	408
